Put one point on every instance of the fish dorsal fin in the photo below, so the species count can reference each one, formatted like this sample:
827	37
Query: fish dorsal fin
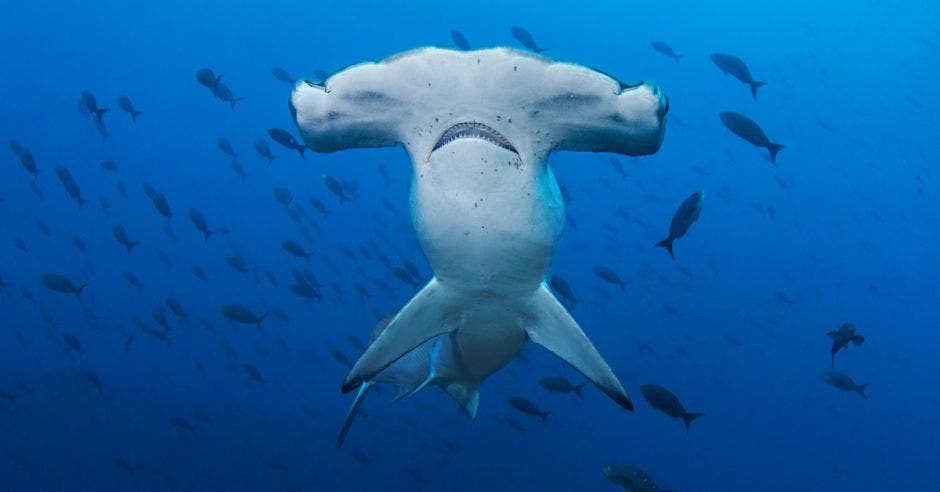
552	327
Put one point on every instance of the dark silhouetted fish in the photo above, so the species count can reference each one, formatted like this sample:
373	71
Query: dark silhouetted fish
176	307
750	131
223	93
525	38
335	187
608	275
841	339
207	78
200	274
71	187
61	284
412	270
121	235
226	147
262	148
686	215
108	165
734	66
319	206
241	314
159	200
127	105
238	169
341	358
282	195
663	400
665	49
182	424
282	75
405	277
295	249
199	221
79	244
632	479
26	157
526	407
254	373
89	105
284	138
73	344
19	243
559	384
515	424
460	40
563	289
844	382
132	279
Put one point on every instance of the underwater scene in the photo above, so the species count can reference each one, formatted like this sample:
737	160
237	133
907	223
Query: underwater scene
427	246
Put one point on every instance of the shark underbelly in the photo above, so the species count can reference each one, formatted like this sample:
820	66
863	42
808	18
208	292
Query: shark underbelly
487	220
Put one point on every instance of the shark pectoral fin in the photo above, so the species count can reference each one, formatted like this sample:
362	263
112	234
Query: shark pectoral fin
430	313
466	395
553	328
351	414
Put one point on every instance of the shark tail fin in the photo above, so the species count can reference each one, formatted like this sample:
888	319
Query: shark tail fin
667	244
351	414
554	329
431	312
688	418
756	84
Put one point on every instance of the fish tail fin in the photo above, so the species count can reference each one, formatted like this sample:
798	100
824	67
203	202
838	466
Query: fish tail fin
544	416
78	291
858	339
677	57
206	234
756	84
688	418
130	246
134	115
351	413
579	389
667	244
260	319
431	312
861	390
81	202
99	113
301	149
235	101
554	329
774	148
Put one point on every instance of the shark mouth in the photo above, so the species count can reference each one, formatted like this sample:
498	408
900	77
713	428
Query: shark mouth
474	130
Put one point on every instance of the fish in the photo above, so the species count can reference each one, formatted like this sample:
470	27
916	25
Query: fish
665	49
132	279
27	161
200	274
319	206
491	275
284	138
841	339
686	215
159	200
460	41
89	105
335	188
207	78
73	344
295	249
525	38
618	166
608	275
559	384
182	424
125	103
665	401
121	235
734	66
515	424
751	132
238	169
844	382
226	147
71	187
282	195
199	222
79	243
61	284
405	277
176	307
254	373
526	407
282	75
20	244
224	94
108	165
241	314
262	148
631	478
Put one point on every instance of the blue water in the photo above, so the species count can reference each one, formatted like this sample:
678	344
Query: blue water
842	229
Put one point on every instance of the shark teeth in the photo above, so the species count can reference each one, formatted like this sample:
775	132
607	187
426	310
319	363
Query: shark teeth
474	130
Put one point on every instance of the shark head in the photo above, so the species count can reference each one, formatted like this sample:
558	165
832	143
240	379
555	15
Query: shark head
478	127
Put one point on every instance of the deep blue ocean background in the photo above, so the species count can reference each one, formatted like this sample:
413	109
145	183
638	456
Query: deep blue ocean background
844	228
